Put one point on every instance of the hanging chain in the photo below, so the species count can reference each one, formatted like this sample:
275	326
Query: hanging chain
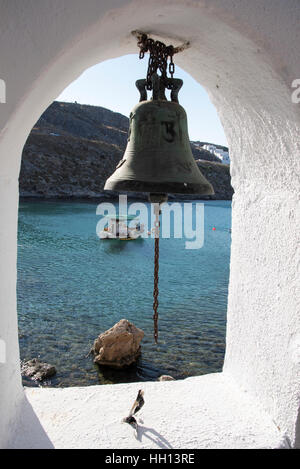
156	268
158	60
155	290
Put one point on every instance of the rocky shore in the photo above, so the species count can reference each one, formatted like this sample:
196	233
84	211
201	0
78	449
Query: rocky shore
74	148
37	370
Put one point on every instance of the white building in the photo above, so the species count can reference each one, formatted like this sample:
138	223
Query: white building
209	147
223	155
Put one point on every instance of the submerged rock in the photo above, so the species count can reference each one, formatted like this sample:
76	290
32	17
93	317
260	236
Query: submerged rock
119	346
37	370
166	378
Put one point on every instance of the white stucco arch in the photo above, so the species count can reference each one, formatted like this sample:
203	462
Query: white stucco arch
246	55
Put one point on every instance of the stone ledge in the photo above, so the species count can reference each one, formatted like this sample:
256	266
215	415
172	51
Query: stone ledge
200	412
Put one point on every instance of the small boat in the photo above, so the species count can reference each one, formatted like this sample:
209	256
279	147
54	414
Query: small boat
118	228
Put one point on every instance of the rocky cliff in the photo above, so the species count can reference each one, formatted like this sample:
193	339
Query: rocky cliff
74	148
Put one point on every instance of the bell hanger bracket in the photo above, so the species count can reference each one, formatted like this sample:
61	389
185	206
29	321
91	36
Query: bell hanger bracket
159	86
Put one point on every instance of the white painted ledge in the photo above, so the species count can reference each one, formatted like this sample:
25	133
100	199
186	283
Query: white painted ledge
201	412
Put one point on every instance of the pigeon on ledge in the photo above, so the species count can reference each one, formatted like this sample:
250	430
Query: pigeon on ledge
137	405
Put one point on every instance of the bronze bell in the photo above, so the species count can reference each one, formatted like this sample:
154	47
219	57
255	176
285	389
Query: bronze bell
158	156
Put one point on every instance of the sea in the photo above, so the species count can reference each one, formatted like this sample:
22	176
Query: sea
72	286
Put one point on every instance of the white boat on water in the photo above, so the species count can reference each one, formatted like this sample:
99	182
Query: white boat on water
118	228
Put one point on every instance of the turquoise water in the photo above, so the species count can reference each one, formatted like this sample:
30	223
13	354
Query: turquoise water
72	287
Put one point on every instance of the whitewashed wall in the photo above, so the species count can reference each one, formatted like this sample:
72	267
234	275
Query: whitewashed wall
246	54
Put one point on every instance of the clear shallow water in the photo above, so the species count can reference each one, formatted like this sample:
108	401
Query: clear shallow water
72	287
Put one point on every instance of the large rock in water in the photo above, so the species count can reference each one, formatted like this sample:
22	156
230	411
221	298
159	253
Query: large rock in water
119	346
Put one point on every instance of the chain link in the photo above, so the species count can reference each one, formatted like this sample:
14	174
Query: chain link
158	60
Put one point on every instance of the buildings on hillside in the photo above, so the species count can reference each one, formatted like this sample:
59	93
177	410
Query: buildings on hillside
223	155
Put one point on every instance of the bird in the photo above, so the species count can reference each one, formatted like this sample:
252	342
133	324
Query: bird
137	405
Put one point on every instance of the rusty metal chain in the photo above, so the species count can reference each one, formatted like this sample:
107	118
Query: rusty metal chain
156	269
158	60
155	290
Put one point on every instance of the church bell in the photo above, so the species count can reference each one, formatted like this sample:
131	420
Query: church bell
158	156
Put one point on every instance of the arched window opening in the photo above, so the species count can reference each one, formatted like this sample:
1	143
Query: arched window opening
73	286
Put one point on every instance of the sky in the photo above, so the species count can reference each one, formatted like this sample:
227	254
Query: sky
111	84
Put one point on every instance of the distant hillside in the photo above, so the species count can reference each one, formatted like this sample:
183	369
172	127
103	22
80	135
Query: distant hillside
74	148
83	121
